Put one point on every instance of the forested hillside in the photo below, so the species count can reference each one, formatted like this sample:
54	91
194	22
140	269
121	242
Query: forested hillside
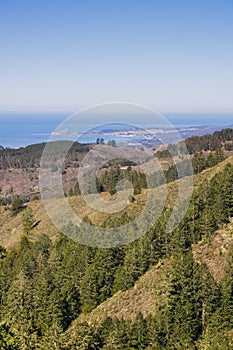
19	168
51	290
30	156
212	142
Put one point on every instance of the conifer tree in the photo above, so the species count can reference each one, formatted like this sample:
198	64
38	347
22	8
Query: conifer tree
28	220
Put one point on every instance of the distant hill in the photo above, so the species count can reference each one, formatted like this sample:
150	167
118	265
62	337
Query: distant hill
211	142
19	168
29	157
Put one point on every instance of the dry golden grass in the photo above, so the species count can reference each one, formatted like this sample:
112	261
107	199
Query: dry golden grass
215	253
153	285
210	172
11	227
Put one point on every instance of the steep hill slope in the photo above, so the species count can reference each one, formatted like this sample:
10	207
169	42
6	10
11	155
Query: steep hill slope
11	228
152	288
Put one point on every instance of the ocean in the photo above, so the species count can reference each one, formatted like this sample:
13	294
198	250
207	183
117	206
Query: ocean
18	129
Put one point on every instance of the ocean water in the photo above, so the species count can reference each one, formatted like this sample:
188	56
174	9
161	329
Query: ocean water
17	129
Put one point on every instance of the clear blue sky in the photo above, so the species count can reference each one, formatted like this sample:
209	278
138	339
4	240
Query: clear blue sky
176	56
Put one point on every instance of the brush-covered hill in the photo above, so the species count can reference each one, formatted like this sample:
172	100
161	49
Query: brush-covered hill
19	168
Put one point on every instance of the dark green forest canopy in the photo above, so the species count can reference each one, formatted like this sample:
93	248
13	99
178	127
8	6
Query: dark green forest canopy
210	142
30	156
218	139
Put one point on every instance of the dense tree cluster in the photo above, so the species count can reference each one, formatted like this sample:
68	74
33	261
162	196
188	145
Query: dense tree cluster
200	162
218	139
30	156
108	181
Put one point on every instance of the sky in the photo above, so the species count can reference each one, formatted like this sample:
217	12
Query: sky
63	55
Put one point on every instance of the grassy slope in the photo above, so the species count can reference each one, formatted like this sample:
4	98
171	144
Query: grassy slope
210	172
214	254
11	227
140	298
